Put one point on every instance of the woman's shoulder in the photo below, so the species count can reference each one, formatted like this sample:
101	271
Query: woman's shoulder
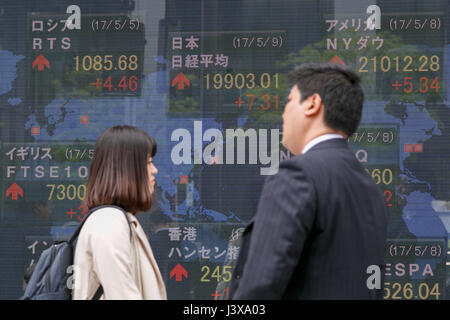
106	220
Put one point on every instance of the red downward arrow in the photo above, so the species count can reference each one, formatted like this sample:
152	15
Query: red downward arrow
178	272
180	80
14	190
40	62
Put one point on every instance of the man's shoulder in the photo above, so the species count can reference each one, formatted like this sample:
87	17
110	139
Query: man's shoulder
316	158
321	161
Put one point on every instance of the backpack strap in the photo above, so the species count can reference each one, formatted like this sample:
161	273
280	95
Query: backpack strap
78	230
98	293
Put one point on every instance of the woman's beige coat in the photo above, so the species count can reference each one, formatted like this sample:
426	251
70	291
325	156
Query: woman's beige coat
105	255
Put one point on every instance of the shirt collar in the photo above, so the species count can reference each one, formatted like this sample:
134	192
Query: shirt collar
320	139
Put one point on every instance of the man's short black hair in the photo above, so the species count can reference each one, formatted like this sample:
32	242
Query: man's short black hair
339	88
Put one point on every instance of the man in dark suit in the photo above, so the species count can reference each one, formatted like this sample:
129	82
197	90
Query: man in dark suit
321	220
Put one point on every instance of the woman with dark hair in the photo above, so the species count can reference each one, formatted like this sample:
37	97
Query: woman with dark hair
112	251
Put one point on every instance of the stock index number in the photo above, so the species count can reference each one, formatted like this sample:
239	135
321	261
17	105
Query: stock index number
106	63
240	81
69	192
399	64
384	176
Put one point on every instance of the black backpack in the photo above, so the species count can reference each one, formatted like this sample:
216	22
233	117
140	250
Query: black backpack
51	277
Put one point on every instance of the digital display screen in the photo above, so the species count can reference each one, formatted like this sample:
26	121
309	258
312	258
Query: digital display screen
208	81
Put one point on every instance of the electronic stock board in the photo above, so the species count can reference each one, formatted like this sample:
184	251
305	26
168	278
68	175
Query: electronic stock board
207	79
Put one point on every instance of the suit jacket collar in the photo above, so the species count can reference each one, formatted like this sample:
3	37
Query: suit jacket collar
330	144
319	139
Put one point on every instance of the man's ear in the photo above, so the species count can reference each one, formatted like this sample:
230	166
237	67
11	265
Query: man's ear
314	106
